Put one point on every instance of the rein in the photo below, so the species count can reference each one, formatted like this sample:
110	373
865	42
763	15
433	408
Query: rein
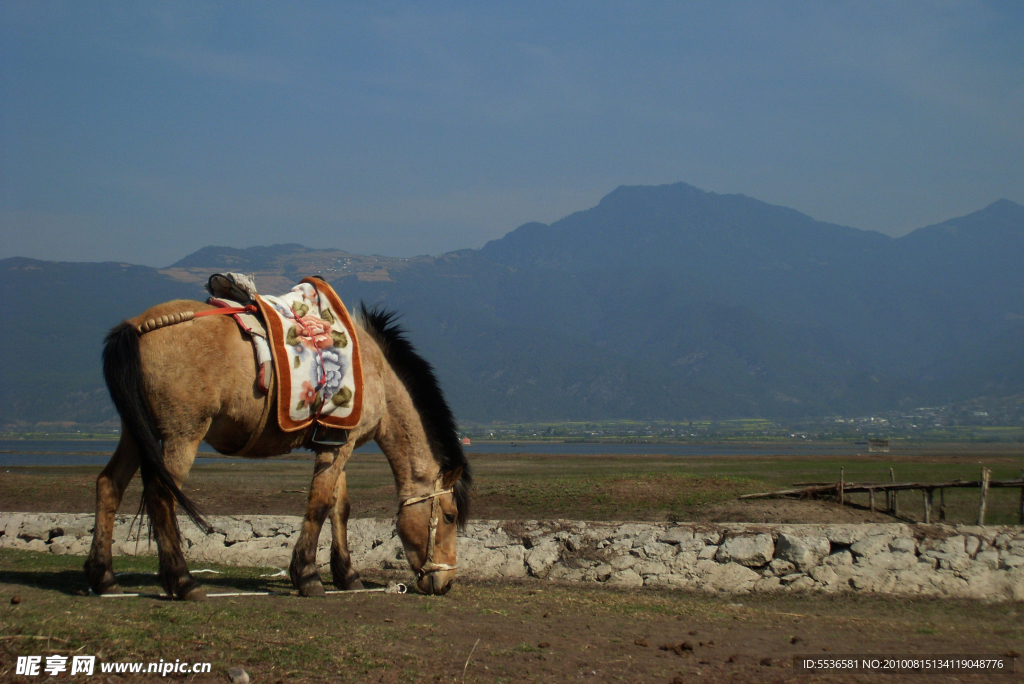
435	517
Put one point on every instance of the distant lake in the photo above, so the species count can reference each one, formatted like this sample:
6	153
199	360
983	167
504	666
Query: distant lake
40	452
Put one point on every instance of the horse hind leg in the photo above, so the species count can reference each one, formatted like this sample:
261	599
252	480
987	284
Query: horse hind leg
160	505
110	487
344	576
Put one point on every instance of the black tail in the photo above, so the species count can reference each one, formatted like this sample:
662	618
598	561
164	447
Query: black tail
122	369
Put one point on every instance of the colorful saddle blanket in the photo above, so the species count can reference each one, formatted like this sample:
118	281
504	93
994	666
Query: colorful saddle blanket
316	357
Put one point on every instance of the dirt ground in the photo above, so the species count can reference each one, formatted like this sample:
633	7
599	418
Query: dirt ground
526	631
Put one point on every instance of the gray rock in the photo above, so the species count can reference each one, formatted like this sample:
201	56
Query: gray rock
645	568
539	559
37	545
903	545
780	568
630	530
34	530
802	551
77	529
824	574
265	527
497	540
843	534
623	561
709	537
683	562
954	545
839	558
676	535
753	551
767	585
626	578
971	546
707	552
802	583
1010	562
12	522
658	550
515	563
730	578
641	540
988	559
871	545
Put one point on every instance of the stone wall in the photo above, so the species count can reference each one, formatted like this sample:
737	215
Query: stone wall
936	560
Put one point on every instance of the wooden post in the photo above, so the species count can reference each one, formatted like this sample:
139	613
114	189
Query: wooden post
985	475
942	504
927	504
1022	498
895	505
842	485
871	499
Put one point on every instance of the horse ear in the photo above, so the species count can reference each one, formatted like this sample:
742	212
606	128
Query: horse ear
451	477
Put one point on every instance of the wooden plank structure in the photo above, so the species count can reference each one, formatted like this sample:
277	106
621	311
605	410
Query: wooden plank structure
840	489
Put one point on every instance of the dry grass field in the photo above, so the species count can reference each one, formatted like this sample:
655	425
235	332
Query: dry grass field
593	487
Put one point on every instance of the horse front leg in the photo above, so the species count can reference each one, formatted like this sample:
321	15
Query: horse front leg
110	486
322	496
345	577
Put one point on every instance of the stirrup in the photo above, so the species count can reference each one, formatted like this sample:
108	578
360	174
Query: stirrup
328	436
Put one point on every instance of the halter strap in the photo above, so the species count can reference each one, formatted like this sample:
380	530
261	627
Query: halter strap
435	510
417	499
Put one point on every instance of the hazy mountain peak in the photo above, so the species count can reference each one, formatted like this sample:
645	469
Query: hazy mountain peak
1004	207
647	193
245	258
1000	221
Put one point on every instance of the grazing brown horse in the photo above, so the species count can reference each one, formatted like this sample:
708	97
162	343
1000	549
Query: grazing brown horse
182	384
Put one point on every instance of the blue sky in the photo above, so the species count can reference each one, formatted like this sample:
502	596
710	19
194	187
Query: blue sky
143	131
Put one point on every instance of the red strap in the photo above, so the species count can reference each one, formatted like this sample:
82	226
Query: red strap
229	310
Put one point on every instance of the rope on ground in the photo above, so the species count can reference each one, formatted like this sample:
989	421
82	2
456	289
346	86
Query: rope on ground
392	588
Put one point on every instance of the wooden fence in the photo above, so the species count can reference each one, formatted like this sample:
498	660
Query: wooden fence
892	488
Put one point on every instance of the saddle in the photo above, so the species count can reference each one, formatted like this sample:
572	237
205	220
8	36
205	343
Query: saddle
305	344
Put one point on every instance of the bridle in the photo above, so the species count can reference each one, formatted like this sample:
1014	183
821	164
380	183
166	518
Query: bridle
435	517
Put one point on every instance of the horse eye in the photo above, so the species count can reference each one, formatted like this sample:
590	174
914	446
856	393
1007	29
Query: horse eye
449	518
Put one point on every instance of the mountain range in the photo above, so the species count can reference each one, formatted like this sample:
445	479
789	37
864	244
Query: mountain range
664	302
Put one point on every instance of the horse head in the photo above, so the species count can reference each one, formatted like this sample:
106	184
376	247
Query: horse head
428	526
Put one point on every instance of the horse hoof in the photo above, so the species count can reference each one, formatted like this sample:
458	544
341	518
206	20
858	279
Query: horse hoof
196	594
348	583
312	590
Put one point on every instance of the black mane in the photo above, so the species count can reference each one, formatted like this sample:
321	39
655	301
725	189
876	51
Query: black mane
418	377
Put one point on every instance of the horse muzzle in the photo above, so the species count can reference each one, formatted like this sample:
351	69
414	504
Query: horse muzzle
435	579
435	584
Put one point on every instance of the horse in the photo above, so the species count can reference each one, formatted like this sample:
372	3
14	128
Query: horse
196	381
